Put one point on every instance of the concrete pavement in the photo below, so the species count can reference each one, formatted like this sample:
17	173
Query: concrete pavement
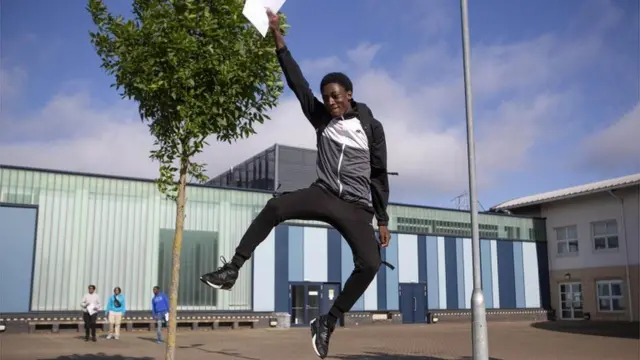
508	341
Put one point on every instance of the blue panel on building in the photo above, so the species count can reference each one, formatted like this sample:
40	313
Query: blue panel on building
296	253
282	269
543	276
518	274
422	259
334	249
433	282
451	267
391	254
485	267
506	278
460	265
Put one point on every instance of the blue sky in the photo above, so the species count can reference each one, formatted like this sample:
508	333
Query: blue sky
556	88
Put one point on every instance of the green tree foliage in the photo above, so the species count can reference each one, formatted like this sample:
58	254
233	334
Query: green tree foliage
197	70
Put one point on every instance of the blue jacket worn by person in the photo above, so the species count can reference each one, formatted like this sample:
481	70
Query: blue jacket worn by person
352	152
112	307
159	305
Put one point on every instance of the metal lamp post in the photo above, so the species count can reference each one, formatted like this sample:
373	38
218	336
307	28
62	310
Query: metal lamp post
479	336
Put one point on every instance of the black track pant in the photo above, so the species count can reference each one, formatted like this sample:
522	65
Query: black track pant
90	324
352	220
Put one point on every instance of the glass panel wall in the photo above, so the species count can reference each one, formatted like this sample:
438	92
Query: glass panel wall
117	232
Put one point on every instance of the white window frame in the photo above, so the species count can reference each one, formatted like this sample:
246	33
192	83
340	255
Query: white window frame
606	236
610	297
567	240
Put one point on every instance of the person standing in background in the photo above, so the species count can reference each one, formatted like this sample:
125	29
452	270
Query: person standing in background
90	306
160	310
114	312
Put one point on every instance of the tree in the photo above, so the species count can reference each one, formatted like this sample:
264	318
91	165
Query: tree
196	69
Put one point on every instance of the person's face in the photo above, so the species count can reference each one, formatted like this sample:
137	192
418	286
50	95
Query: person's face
156	291
116	291
91	289
336	99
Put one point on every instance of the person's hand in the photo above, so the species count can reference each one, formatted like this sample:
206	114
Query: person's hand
385	236
274	20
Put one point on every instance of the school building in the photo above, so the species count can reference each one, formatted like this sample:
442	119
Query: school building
593	237
60	231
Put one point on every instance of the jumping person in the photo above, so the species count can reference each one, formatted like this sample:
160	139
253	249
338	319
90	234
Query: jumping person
352	164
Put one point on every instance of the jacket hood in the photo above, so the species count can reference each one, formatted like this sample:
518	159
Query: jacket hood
356	109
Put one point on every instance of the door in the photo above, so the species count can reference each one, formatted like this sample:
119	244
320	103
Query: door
305	303
571	301
413	303
17	240
420	303
329	294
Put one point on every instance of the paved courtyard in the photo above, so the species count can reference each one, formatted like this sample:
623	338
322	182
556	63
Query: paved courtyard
512	341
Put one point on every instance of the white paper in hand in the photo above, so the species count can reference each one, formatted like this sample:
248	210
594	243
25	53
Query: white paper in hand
256	12
92	309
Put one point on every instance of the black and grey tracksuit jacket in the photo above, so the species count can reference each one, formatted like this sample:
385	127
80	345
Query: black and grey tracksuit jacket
346	165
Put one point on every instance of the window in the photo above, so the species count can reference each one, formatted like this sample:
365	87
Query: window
605	235
609	295
567	240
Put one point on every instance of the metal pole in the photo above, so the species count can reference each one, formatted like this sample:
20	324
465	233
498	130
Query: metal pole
479	340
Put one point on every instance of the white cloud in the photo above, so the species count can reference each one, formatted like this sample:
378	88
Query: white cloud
423	117
616	147
11	82
321	65
363	54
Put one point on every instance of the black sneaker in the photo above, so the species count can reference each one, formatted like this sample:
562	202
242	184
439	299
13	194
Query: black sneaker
224	278
320	333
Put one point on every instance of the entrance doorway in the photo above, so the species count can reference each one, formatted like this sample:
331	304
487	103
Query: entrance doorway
310	300
413	302
571	301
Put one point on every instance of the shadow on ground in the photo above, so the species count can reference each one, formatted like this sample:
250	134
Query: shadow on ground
150	339
227	352
624	330
98	356
384	356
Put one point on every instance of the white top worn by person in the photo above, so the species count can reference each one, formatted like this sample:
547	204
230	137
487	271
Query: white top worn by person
90	303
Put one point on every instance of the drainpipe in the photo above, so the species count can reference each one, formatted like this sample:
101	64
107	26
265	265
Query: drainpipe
626	257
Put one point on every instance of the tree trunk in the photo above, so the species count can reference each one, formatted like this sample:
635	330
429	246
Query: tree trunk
175	269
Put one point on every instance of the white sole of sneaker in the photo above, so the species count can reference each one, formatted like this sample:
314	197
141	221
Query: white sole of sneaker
313	339
211	284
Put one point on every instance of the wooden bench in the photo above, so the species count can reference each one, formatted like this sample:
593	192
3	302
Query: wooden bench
235	323
149	324
55	325
195	324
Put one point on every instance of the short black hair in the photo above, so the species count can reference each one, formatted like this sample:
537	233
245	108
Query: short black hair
92	287
157	287
337	78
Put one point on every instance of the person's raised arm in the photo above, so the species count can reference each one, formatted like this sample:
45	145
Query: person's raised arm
312	108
